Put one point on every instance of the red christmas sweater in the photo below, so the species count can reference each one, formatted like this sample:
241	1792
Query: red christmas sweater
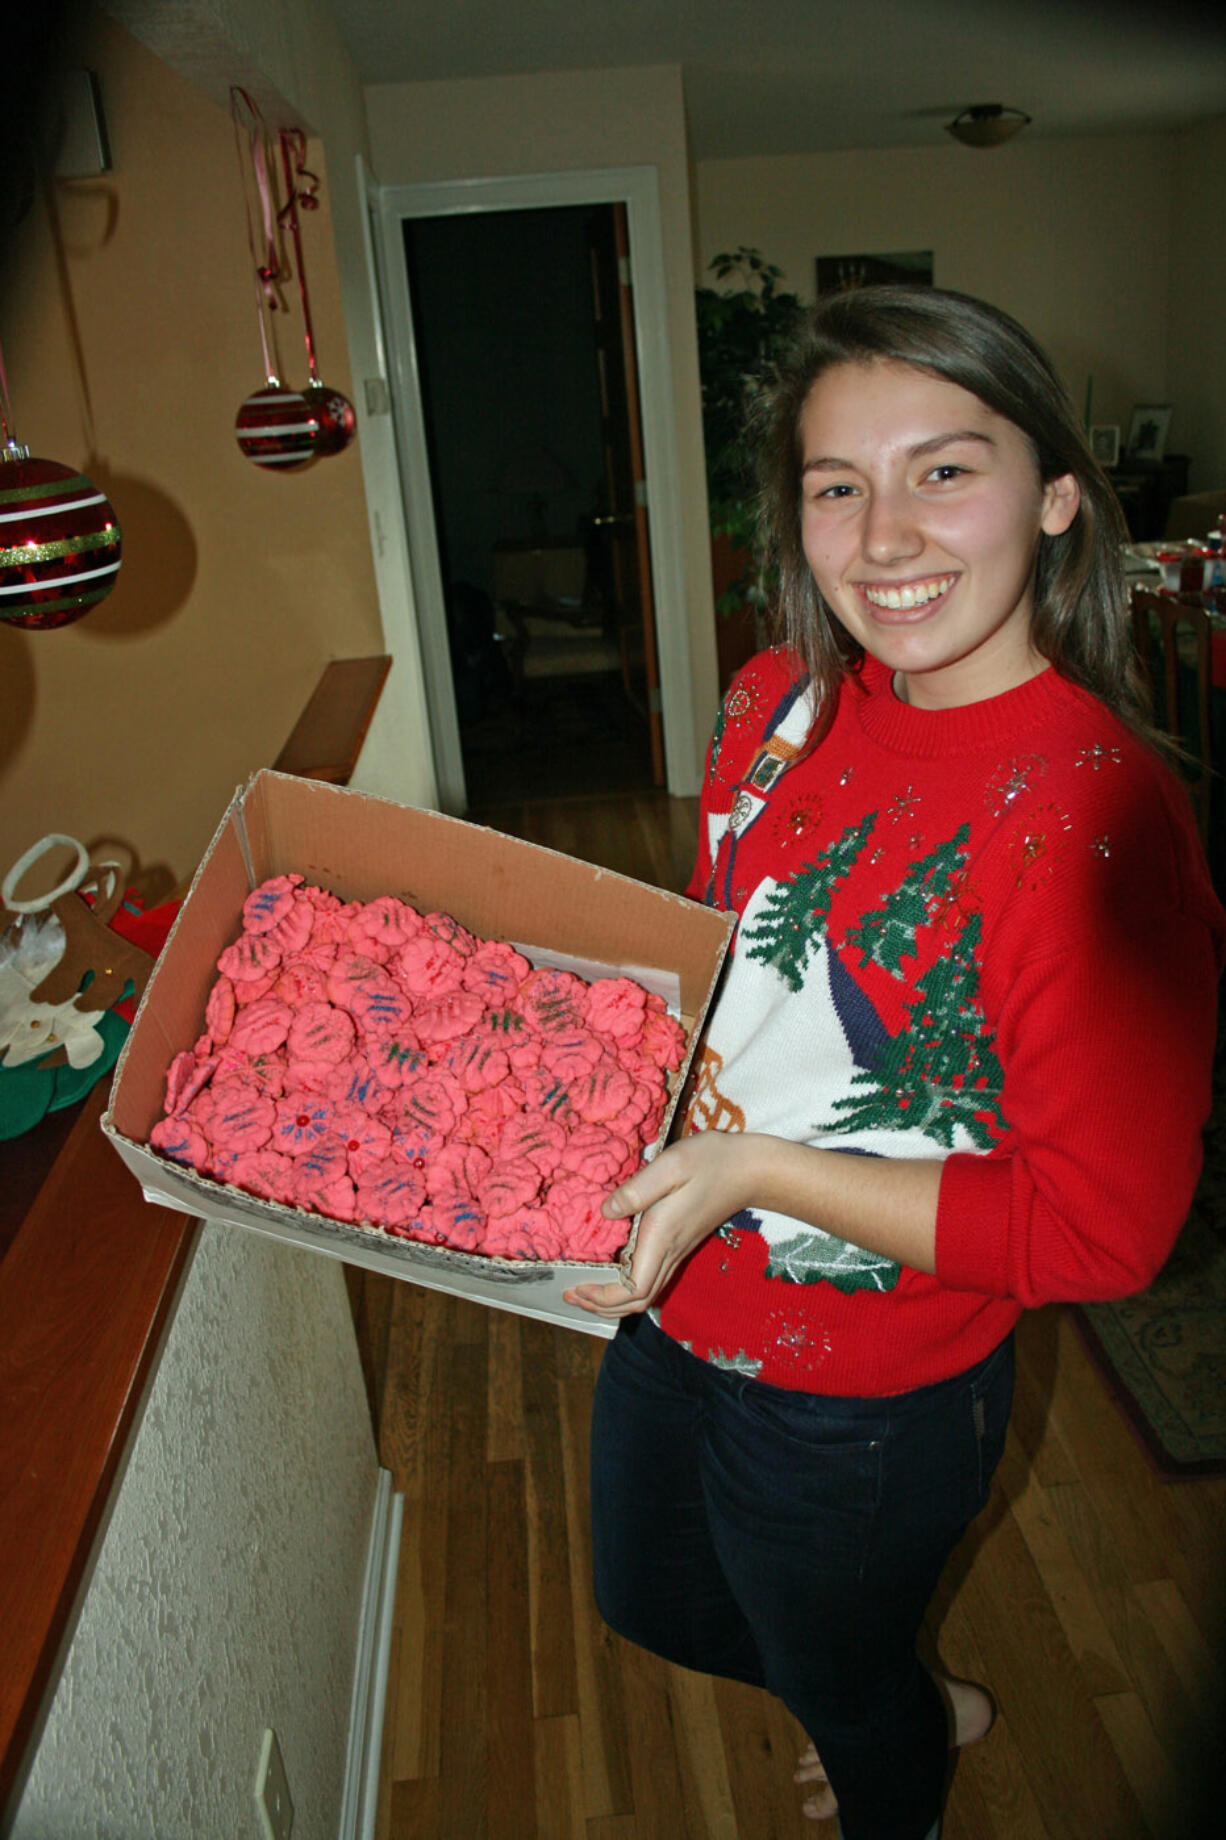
985	935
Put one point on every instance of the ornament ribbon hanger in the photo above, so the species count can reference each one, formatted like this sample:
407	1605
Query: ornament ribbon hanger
334	410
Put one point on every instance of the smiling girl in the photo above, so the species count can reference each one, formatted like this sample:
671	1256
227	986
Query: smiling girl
960	1061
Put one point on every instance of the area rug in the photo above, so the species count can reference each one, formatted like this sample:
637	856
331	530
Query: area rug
1163	1353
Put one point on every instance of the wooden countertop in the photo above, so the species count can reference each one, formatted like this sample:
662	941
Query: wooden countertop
86	1289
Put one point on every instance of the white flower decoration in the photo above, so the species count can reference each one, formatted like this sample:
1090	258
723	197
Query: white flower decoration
28	1029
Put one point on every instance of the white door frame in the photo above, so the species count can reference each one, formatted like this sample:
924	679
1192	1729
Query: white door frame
638	188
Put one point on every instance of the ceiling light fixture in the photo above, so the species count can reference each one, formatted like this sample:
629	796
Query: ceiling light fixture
987	124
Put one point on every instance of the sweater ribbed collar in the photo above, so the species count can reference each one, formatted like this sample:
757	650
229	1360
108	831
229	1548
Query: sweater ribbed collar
931	734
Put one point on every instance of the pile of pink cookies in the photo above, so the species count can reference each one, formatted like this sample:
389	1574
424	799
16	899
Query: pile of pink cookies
389	1068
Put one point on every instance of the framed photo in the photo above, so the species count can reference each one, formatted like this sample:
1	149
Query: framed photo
1105	443
1147	431
836	274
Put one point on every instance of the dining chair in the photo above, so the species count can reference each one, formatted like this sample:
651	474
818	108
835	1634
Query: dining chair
1177	630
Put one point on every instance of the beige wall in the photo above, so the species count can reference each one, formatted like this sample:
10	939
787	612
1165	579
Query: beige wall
1073	237
131	339
573	121
1198	302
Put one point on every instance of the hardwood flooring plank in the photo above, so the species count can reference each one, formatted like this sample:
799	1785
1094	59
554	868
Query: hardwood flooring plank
659	1806
504	1437
1141	1754
761	1742
559	1779
512	1794
700	1751
464	1721
1071	1767
554	1686
1191	1654
1072	1595
598	1685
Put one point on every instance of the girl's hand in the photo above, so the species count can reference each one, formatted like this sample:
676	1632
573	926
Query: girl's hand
685	1193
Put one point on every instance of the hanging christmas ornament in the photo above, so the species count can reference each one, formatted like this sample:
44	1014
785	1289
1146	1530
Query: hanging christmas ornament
60	541
338	422
275	426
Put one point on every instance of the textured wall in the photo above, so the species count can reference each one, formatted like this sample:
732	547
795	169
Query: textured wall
228	1586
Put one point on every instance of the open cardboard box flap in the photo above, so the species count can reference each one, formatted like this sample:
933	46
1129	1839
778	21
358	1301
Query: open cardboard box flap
360	848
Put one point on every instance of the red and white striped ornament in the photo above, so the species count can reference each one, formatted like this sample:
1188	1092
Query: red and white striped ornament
279	428
60	542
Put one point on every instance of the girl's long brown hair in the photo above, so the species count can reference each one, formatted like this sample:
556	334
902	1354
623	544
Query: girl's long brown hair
1081	620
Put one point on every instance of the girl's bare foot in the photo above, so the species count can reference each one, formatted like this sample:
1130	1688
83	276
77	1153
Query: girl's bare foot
971	1716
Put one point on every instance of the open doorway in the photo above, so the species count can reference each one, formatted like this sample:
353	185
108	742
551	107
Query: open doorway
525	356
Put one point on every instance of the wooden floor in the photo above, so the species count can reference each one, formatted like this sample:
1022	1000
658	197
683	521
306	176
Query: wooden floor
1091	1597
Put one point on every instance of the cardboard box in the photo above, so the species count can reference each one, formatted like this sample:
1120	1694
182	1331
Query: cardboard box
360	848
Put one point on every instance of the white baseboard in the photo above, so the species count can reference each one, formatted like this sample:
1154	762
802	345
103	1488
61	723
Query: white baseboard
360	1798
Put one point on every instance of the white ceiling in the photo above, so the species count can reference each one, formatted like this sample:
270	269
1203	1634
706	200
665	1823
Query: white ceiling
796	76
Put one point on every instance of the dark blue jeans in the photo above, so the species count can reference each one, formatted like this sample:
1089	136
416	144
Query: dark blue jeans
794	1541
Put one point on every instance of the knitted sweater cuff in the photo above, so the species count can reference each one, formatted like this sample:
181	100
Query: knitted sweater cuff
972	1215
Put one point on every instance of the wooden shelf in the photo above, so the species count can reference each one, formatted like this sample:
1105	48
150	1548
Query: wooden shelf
327	737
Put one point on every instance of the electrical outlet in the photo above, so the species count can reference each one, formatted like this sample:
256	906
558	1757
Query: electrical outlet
272	1796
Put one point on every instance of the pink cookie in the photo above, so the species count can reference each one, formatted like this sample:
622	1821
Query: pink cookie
527	1233
575	1205
235	1117
664	1040
534	1136
182	1141
553	1001
616	1007
477	1061
599	1156
428	966
456	1171
185	1077
396	1059
495	971
322	1162
332	922
487	1114
571	1054
321	1032
300	982
448	928
367	1141
251	990
350	974
415	1143
512	1183
251	956
391	1192
301	1120
355	1085
603	1092
262	1071
293	930
521	1044
386	922
269	903
336	1197
454	1220
441	1019
434	1100
219	1011
382	1007
265	1173
544	1092
261	1027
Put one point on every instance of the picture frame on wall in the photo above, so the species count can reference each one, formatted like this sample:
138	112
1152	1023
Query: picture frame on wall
836	274
1105	443
1147	431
